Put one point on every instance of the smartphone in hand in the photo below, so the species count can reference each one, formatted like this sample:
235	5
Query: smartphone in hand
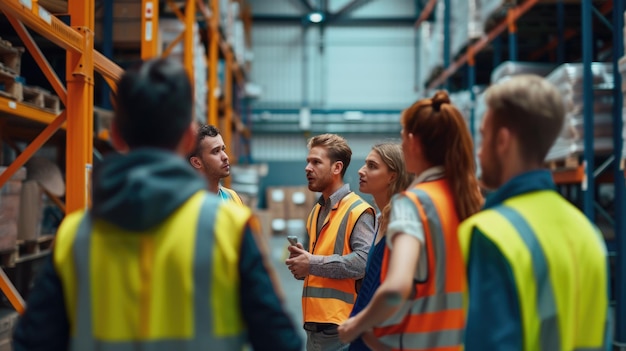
293	240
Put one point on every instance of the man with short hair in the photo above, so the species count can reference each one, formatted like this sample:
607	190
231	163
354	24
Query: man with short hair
158	263
537	267
341	231
210	158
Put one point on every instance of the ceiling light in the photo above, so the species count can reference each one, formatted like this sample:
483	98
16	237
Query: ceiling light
316	17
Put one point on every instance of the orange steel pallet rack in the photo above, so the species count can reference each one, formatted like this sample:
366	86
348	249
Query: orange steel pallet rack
82	60
216	44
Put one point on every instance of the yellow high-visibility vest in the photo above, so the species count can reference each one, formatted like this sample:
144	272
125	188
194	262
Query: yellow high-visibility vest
172	287
558	260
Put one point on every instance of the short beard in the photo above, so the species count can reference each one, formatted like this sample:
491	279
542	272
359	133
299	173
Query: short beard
492	180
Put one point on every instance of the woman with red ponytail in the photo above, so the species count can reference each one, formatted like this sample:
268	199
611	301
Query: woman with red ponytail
419	304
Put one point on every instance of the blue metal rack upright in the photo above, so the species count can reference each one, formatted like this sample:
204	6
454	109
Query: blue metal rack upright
589	191
618	177
588	185
446	38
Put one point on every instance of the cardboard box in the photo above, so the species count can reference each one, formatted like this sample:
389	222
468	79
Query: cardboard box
300	201
276	198
251	201
31	211
9	209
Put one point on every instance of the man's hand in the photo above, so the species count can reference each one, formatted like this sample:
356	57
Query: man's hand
298	261
293	254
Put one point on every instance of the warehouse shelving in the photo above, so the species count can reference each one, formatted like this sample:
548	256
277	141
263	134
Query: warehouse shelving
11	108
216	44
82	61
585	174
509	23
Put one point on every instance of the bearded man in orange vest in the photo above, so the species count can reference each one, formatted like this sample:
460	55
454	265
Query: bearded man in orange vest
341	231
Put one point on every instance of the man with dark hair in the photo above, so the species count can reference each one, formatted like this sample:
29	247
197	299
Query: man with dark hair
210	158
529	250
158	263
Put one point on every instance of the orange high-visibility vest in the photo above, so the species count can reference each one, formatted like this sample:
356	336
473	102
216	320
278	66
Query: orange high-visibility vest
434	318
326	300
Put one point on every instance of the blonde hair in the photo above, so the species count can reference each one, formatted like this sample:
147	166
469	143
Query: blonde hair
392	156
532	109
336	147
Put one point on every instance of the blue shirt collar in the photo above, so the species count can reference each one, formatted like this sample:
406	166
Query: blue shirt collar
524	183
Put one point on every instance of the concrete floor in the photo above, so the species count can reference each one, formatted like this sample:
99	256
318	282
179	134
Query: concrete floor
292	288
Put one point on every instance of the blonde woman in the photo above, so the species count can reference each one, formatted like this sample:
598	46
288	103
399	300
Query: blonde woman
383	175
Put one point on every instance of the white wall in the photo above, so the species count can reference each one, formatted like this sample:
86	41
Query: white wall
386	8
277	65
368	68
292	147
275	7
349	67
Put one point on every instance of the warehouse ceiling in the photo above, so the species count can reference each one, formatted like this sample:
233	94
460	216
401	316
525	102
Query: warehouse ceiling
537	33
537	30
334	13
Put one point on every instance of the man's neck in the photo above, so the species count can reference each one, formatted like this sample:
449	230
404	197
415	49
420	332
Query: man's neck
331	190
517	169
214	187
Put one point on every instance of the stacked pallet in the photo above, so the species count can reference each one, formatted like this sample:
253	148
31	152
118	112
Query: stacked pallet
41	98
13	86
10	66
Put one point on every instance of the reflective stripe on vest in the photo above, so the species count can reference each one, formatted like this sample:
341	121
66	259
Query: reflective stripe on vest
326	300
558	263
434	319
546	305
203	335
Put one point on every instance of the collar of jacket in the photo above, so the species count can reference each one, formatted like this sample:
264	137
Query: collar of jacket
523	183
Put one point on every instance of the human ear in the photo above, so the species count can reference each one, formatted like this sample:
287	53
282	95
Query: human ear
337	167
117	140
504	139
195	162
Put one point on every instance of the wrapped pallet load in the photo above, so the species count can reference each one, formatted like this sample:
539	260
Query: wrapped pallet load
568	78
